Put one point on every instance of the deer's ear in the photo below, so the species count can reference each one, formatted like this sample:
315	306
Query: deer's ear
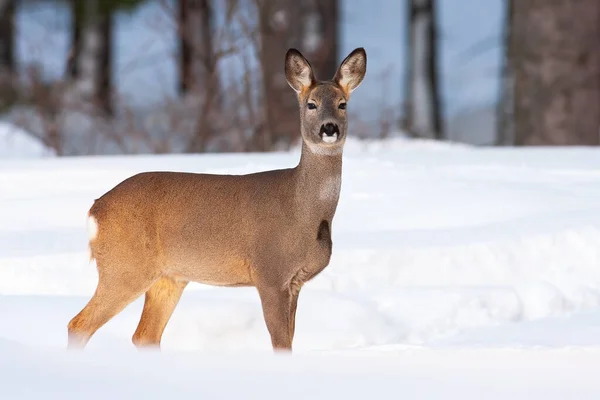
298	72
352	70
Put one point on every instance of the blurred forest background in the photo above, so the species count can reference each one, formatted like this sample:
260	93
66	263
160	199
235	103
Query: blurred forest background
172	76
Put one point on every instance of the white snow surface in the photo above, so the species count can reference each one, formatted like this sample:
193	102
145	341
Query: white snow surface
18	143
457	273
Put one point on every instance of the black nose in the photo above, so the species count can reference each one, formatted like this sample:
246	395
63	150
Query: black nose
329	129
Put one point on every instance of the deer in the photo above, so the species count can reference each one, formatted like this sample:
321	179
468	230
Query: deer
156	231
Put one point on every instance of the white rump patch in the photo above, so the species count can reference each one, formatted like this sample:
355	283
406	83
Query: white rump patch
92	227
330	139
330	188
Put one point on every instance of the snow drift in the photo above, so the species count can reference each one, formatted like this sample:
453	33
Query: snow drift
437	249
17	143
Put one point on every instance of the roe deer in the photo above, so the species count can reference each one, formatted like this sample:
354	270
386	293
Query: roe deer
156	231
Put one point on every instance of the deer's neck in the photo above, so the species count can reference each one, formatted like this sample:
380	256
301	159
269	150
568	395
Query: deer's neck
319	178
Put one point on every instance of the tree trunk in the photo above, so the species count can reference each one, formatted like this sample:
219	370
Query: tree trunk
185	50
505	110
91	66
7	52
556	53
105	27
198	66
321	36
76	28
422	102
7	35
280	28
198	61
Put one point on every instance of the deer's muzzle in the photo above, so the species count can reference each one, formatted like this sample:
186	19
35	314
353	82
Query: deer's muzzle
329	132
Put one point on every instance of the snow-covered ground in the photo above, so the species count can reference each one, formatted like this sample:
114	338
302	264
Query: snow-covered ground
17	143
456	273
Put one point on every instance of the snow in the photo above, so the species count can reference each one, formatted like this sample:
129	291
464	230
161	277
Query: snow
410	374
454	269
16	142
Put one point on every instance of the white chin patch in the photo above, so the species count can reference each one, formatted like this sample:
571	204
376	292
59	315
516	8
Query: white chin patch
330	139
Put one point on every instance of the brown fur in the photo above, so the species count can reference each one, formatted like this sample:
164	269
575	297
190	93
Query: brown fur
272	230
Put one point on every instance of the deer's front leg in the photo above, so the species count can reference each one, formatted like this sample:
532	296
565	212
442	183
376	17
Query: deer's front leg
278	305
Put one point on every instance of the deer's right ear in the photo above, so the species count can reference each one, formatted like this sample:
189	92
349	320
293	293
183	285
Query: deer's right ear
298	72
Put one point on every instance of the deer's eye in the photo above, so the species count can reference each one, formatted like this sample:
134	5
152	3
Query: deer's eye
342	106
312	106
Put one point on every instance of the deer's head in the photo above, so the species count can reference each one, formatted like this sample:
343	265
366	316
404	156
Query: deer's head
323	104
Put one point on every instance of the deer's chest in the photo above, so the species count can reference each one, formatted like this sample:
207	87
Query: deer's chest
317	253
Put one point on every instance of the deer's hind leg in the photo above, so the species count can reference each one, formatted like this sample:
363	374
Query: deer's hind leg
117	288
161	300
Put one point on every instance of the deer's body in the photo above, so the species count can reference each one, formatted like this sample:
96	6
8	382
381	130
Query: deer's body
156	231
218	238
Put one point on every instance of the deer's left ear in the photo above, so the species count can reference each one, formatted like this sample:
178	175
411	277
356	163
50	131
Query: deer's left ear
352	70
